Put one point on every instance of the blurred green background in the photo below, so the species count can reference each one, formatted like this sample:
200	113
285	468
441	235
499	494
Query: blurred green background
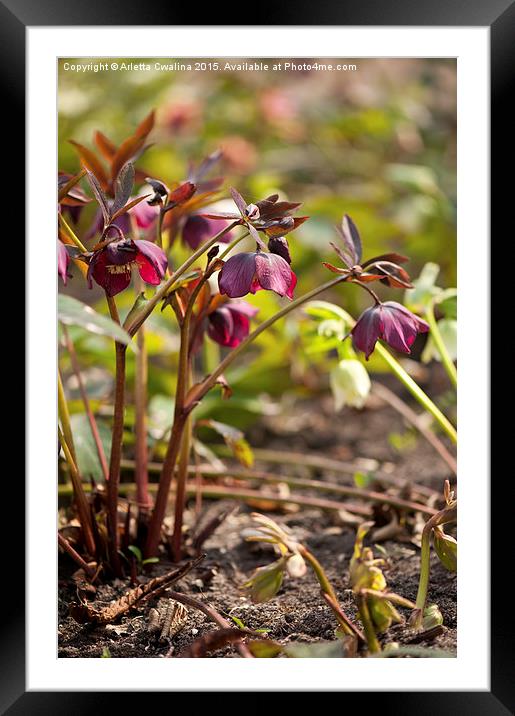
378	143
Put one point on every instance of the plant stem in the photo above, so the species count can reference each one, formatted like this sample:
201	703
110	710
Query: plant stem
327	588
448	514
138	320
210	614
71	234
373	644
116	445
140	424
417	392
63	542
448	364
180	493
87	407
80	497
64	416
234	243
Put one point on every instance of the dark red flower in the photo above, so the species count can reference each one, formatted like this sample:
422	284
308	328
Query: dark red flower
391	322
198	229
111	265
249	272
229	324
63	261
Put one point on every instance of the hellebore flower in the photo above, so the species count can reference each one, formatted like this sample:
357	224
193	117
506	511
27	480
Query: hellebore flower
350	384
63	261
111	264
229	323
198	229
390	321
249	272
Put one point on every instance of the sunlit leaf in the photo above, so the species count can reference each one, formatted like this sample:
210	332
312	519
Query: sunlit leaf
85	448
73	312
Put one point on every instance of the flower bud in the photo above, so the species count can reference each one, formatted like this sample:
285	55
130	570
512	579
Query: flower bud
350	384
296	566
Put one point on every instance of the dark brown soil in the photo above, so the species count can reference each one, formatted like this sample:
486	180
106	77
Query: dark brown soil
297	613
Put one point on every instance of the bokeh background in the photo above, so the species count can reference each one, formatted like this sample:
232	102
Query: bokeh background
378	143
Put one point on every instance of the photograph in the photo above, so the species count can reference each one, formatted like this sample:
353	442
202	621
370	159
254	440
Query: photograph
257	357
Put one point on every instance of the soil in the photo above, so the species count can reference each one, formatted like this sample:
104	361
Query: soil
297	614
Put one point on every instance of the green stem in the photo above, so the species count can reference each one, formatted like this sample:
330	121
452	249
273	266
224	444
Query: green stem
448	514
436	336
80	497
368	626
64	416
71	234
417	392
234	243
327	588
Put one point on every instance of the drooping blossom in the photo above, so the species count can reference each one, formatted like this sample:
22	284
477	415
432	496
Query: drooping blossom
249	272
63	261
391	322
111	265
229	323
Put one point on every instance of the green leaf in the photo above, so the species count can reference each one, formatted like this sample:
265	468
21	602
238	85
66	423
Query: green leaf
72	312
106	654
238	622
264	648
136	552
446	548
265	582
319	650
362	479
150	560
87	455
234	439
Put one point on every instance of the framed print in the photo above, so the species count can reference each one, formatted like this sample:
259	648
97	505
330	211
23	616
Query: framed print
253	355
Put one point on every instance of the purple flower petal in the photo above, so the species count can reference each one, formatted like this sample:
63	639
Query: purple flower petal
63	261
279	245
390	321
274	273
221	326
237	275
367	330
152	262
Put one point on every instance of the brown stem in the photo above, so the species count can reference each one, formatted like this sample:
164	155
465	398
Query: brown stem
87	406
211	614
180	493
63	542
140	425
116	446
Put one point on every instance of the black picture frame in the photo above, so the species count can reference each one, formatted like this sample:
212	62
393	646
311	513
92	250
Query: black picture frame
499	16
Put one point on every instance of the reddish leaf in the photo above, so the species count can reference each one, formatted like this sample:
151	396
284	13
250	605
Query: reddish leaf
145	127
125	152
123	187
105	145
100	197
180	195
66	187
90	161
334	269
